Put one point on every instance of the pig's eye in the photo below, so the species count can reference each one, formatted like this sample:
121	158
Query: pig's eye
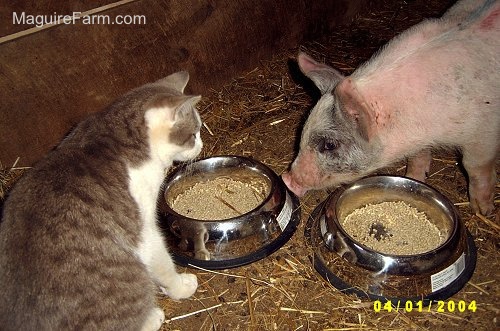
326	145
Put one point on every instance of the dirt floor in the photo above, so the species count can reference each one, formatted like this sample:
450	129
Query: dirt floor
260	115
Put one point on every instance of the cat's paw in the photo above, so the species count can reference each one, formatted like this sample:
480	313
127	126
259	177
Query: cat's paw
184	287
154	320
202	254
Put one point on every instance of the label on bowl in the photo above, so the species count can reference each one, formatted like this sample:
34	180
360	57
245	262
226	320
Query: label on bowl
447	276
285	215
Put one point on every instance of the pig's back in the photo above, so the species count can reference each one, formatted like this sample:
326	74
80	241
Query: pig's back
474	23
486	14
439	80
467	10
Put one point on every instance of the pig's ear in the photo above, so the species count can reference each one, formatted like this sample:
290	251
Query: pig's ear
325	77
353	104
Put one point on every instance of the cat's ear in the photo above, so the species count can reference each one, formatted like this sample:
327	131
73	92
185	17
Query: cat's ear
184	104
172	107
177	81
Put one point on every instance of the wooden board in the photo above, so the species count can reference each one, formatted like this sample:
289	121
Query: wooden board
51	79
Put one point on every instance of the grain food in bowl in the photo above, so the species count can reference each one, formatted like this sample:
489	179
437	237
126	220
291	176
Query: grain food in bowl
258	213
393	227
345	260
221	198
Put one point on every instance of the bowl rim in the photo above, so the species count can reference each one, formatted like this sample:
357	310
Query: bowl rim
455	218
261	251
315	243
268	173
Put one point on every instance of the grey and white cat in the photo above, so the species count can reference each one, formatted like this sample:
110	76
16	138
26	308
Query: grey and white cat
80	248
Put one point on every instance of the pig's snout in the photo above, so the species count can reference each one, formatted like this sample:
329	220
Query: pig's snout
293	185
304	173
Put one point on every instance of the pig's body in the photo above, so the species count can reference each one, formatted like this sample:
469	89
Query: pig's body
437	84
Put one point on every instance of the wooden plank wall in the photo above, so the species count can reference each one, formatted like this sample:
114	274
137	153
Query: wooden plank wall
51	79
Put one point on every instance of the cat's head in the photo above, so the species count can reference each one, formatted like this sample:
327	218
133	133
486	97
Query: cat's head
173	121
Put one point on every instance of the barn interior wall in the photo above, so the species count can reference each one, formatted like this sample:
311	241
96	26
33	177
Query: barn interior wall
50	80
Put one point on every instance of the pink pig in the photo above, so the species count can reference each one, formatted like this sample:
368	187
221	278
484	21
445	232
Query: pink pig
435	85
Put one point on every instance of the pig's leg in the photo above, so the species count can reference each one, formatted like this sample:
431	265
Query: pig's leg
418	166
480	167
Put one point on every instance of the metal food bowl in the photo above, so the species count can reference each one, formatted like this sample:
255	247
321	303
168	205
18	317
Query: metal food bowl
354	268
231	242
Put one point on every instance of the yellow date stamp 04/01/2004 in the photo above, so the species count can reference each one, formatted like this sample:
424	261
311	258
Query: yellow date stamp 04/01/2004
440	306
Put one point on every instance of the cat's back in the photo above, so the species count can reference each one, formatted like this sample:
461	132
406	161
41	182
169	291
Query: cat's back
86	173
69	229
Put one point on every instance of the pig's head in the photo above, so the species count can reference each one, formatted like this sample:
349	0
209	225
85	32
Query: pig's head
337	143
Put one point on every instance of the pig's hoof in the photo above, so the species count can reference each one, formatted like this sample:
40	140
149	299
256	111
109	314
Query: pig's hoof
484	208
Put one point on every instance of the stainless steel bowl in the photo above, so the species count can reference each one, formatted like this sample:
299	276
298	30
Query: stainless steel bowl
354	268
231	242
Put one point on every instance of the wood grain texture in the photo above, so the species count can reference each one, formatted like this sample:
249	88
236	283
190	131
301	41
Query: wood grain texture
51	79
